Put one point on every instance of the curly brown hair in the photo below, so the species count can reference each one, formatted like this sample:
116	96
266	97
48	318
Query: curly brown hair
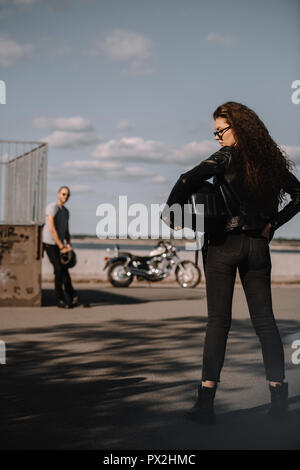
264	163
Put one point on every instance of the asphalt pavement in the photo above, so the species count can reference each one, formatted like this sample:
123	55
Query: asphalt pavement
119	371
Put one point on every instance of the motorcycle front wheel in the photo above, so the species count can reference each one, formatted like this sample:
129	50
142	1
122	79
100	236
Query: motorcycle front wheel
117	275
187	274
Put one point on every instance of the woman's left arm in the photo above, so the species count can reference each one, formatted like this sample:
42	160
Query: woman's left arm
291	185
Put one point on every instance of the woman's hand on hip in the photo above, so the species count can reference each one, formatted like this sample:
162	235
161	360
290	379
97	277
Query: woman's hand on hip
266	232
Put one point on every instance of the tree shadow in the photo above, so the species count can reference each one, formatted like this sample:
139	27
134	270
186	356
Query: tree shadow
124	384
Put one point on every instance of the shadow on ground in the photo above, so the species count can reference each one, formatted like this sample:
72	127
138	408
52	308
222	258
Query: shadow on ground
133	295
125	385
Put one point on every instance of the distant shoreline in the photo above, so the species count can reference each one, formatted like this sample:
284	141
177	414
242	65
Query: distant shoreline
275	243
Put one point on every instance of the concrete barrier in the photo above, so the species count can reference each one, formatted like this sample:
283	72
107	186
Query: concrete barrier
20	265
90	264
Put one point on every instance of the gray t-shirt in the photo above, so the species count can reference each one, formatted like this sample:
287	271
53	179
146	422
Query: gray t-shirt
61	218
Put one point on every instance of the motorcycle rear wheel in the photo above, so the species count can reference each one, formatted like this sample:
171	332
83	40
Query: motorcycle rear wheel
189	275
117	275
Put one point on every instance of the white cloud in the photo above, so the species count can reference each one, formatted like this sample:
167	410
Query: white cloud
70	132
72	124
4	14
61	4
62	50
125	125
110	158
105	169
159	179
132	148
293	152
194	152
81	188
92	164
131	173
130	48
64	139
24	2
137	171
137	149
12	51
216	38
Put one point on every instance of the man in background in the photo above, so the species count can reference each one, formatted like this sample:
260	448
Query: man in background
55	233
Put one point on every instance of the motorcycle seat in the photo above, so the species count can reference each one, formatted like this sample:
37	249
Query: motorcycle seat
141	258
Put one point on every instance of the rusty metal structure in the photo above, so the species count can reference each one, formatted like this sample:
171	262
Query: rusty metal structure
23	185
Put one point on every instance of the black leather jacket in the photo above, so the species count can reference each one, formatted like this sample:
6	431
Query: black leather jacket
223	167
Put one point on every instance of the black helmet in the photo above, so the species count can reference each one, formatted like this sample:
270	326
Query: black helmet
214	210
215	213
68	259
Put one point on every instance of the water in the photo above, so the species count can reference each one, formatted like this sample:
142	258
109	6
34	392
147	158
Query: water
123	246
138	247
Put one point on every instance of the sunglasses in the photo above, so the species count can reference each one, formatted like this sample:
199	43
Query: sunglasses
221	132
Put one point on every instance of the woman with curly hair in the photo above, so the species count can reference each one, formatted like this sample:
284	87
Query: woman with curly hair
252	175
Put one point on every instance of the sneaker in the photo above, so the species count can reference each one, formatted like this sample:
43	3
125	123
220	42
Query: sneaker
62	304
75	300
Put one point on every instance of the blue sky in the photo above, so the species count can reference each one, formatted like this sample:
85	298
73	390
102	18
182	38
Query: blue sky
124	90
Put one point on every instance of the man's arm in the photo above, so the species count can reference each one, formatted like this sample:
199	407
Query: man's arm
68	236
53	232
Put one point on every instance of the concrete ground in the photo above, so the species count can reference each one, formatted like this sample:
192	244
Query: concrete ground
119	371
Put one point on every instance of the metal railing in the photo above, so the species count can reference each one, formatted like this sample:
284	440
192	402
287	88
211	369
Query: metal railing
23	182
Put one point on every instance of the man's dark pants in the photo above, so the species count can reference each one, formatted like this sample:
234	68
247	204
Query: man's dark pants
61	273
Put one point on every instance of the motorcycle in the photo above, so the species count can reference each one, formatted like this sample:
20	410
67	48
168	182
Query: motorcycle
123	266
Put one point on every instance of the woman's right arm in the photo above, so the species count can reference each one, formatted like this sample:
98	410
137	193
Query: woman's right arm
189	182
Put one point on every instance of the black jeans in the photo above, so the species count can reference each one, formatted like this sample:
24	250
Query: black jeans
251	255
61	273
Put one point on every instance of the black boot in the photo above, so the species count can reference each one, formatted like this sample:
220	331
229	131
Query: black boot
279	400
203	409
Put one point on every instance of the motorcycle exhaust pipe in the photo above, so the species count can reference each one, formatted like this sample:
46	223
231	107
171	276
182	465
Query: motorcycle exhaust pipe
143	273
